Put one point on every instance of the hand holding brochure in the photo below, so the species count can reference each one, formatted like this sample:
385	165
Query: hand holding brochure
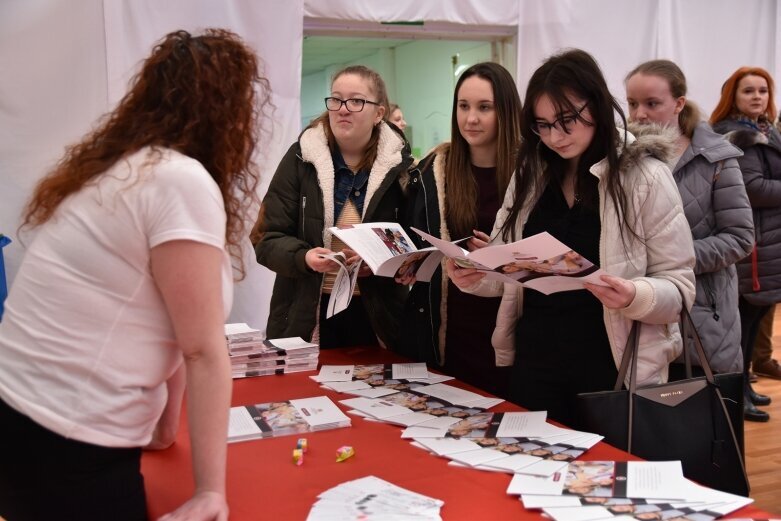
539	262
389	252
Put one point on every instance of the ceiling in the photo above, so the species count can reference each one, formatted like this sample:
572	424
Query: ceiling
319	52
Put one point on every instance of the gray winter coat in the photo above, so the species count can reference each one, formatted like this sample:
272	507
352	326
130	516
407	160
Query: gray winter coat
759	275
719	214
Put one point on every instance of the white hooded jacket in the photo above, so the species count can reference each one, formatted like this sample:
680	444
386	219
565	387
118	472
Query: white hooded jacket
660	266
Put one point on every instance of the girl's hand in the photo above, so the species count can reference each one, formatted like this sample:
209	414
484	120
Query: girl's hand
463	277
352	258
319	264
480	240
618	294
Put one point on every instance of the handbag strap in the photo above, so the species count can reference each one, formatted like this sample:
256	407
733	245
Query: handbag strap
686	321
631	348
630	354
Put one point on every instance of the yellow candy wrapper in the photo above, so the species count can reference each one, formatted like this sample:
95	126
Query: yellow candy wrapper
342	453
298	457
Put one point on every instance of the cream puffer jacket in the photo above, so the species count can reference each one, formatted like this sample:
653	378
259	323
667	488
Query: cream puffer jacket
661	266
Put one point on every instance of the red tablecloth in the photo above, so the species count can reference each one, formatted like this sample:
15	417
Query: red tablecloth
263	482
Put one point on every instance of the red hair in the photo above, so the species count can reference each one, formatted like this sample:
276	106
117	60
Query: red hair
195	95
726	105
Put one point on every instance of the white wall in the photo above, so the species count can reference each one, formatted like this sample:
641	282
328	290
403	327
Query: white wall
55	58
425	82
419	78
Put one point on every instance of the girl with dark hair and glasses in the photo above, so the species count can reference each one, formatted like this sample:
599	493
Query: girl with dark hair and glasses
343	170
611	198
455	192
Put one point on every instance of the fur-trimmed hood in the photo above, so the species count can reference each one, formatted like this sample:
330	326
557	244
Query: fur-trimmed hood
392	149
744	137
643	141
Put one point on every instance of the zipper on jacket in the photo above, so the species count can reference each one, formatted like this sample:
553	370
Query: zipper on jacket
303	217
711	295
397	213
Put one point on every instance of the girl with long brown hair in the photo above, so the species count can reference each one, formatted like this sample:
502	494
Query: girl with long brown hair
455	192
121	297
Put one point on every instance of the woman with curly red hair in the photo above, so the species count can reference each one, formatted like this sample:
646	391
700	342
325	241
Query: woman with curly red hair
121	297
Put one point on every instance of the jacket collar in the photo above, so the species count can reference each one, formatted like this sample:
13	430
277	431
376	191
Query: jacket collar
315	150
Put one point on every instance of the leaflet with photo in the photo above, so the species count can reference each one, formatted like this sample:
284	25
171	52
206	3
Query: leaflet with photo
389	252
265	420
540	262
637	479
373	498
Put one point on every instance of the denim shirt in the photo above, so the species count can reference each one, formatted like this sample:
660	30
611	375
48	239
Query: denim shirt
347	185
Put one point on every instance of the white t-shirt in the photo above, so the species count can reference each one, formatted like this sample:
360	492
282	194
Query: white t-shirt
86	343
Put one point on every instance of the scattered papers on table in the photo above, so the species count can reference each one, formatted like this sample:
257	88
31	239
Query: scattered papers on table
372	498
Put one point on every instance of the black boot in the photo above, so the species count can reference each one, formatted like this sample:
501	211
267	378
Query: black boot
752	414
756	398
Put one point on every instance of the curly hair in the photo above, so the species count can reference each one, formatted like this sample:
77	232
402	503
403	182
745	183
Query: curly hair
199	95
729	90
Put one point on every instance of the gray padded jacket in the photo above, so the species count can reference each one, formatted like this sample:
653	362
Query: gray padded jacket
719	214
759	274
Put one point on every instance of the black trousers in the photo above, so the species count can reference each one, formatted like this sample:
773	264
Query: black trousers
750	319
349	328
44	476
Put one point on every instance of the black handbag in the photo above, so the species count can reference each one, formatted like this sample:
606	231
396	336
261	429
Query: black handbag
689	420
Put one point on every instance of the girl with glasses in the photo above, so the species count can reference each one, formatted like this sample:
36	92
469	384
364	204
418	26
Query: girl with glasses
611	198
745	113
343	170
708	176
455	192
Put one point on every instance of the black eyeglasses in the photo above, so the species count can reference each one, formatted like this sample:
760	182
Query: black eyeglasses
564	124
352	104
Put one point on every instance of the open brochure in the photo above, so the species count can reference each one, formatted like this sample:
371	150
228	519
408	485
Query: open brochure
389	252
540	262
266	420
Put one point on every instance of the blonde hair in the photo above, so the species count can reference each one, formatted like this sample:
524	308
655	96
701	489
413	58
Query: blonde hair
690	116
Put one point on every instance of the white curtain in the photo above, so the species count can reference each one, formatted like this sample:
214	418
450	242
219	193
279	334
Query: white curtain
65	63
485	12
52	87
708	39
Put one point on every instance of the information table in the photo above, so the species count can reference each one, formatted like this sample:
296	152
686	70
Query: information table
264	483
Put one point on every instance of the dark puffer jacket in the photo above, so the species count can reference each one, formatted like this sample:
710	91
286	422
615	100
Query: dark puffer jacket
296	213
759	274
719	214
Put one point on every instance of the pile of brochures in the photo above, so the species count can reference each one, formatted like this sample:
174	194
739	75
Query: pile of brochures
253	355
267	420
641	490
455	423
373	498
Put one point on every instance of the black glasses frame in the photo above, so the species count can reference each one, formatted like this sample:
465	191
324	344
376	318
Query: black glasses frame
544	128
346	103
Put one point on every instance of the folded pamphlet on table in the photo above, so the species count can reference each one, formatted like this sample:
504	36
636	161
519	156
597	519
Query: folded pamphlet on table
266	420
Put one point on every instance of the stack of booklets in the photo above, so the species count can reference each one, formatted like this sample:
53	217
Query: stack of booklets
376	380
642	490
267	420
253	355
374	498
